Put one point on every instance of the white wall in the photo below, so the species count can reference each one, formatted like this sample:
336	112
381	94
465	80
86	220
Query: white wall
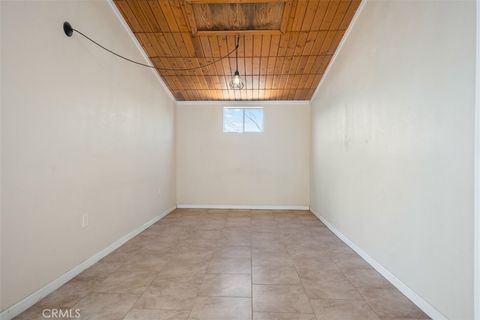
82	133
393	145
255	169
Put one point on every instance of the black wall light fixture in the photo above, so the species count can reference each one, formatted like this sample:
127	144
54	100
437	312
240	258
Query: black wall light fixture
69	30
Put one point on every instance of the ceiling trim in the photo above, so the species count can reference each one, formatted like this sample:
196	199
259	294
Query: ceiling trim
339	47
242	102
139	47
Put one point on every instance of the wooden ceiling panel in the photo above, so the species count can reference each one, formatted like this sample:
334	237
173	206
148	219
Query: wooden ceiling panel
285	45
238	16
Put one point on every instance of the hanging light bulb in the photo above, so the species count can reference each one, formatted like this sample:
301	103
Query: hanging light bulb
236	83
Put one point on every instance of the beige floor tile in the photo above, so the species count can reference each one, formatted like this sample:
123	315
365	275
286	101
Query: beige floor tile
263	225
265	258
238	222
267	239
213	223
134	282
391	303
263	216
239	213
99	271
207	260
233	239
276	274
36	313
310	271
222	308
192	253
238	231
233	252
320	263
129	247
280	298
303	252
156	239
230	265
226	285
367	278
183	271
350	261
118	256
205	235
105	306
334	286
266	228
145	262
272	247
223	212
263	213
342	250
282	316
69	294
343	310
203	243
169	295
146	314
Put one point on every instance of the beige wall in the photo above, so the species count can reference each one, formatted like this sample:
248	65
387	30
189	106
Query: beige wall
255	169
82	133
393	145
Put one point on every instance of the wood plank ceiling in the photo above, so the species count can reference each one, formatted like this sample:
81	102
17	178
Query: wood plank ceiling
285	45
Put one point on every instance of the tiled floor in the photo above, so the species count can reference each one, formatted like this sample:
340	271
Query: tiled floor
232	265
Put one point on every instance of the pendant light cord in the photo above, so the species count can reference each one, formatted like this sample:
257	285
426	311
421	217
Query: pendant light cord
236	53
161	69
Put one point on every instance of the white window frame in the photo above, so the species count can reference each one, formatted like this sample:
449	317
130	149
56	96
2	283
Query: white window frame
243	119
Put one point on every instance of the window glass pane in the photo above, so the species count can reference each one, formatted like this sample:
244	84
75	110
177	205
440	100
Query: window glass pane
232	120
253	119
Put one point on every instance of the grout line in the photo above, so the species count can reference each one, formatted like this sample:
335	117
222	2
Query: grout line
301	283
349	281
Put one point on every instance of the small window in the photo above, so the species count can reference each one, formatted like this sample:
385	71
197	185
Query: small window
242	120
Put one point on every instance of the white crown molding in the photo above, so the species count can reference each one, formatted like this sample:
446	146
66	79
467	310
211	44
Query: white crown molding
246	207
409	293
29	301
339	48
229	103
139	47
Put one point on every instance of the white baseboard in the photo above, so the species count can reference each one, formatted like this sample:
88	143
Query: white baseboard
246	207
29	301
409	293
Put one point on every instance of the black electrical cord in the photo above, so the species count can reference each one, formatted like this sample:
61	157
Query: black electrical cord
69	30
236	53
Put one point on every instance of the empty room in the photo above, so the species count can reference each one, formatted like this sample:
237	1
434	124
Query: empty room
240	159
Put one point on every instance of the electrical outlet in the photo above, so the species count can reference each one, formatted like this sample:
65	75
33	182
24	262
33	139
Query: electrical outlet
84	220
